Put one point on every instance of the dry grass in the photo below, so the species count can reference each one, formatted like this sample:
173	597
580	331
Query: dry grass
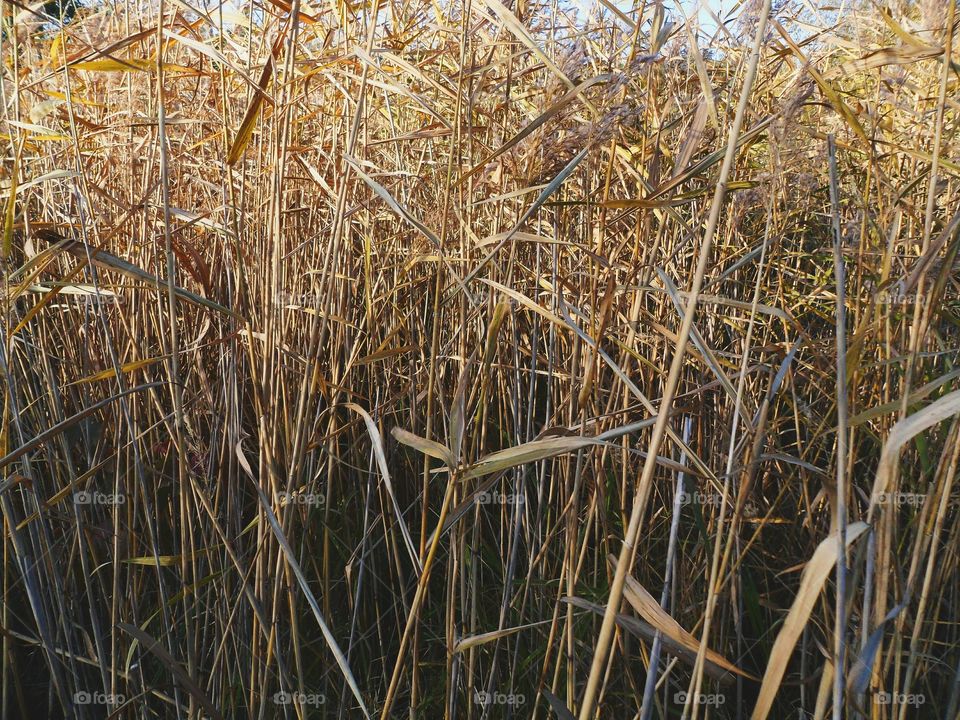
384	359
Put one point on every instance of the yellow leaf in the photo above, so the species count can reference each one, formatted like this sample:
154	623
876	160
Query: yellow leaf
386	353
111	65
10	213
55	50
127	65
74	98
125	368
245	131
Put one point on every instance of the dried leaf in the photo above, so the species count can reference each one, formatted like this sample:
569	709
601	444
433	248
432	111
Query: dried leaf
427	447
532	451
902	433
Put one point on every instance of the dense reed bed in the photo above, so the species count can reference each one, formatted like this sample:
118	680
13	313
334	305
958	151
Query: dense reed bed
480	360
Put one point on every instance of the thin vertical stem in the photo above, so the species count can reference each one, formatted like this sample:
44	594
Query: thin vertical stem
840	511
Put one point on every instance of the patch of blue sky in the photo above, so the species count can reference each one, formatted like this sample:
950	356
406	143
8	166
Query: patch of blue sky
705	12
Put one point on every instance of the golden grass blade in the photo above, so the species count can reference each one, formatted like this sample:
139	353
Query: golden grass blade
900	55
702	76
473	641
811	582
127	65
647	607
647	632
894	405
52	175
824	691
901	434
245	131
125	368
385	354
10	209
